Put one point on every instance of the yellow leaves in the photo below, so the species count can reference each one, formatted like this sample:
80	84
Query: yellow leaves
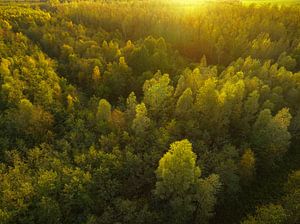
283	118
129	45
93	152
12	89
5	25
222	98
141	110
25	105
76	179
70	102
66	50
28	73
141	122
17	188
122	62
193	79
4	67
30	62
57	89
158	93
80	159
4	216
96	74
118	53
104	44
47	181
177	170
111	50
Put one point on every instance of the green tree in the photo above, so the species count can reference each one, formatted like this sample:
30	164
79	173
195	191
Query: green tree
179	183
291	201
271	214
251	105
104	110
270	135
141	122
247	166
185	103
158	95
287	61
131	106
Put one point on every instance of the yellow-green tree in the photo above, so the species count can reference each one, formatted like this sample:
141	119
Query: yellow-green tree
189	197
104	110
270	136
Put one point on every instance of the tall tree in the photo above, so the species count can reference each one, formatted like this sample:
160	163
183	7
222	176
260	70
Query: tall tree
104	110
141	122
179	183
270	135
158	95
271	214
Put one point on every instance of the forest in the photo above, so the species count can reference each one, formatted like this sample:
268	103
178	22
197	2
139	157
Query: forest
149	111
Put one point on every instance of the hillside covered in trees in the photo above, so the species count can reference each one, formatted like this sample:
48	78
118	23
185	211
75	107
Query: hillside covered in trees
130	112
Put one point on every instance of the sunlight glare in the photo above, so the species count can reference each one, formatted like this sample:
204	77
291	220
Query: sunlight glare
188	2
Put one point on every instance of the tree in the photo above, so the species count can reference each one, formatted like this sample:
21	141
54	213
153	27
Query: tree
247	166
96	74
31	122
179	183
206	197
192	79
104	110
226	166
177	170
131	106
158	95
287	61
18	185
209	105
270	136
249	113
207	98
291	201
251	105
141	122
184	106
270	214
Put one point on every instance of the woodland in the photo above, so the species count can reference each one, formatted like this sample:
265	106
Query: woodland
131	112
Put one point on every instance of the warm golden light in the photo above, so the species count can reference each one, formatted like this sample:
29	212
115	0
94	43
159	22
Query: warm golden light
149	111
187	2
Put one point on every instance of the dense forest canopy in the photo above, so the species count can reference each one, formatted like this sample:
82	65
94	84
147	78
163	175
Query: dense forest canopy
149	112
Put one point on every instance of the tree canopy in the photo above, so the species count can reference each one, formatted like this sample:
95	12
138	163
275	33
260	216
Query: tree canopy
149	112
